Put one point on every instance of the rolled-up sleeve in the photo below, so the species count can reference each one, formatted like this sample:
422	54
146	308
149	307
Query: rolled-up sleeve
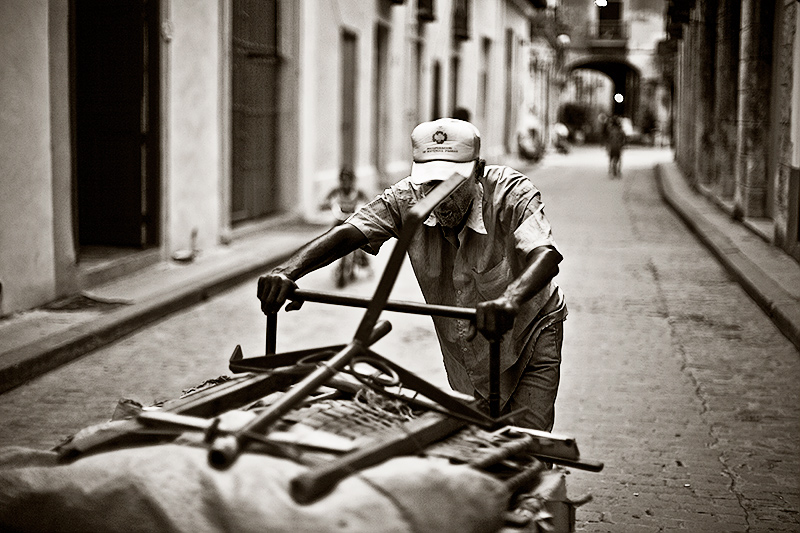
534	230
518	203
379	220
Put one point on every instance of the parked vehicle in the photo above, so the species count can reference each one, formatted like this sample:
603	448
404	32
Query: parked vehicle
530	144
561	138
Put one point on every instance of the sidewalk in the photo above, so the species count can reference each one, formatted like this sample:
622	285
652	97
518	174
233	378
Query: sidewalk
767	274
36	341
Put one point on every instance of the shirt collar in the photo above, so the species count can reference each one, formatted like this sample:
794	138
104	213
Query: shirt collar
474	217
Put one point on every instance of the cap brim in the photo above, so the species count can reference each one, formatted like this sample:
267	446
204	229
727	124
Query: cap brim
439	170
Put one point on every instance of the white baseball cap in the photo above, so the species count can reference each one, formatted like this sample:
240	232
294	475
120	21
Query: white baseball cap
443	147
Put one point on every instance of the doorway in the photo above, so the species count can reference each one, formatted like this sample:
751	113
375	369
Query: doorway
115	91
380	129
348	90
256	79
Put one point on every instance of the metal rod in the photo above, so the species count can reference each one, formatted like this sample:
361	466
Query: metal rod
416	435
494	378
226	448
503	452
416	216
526	477
272	333
414	308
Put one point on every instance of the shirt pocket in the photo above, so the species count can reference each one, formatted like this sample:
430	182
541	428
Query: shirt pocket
491	284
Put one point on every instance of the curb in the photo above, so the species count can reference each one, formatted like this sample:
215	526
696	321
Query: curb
52	351
780	306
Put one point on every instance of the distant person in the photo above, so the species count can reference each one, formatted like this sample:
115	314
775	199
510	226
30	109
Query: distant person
343	201
346	198
488	246
615	140
530	145
461	113
561	140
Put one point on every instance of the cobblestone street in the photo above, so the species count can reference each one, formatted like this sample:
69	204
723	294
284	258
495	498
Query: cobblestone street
672	376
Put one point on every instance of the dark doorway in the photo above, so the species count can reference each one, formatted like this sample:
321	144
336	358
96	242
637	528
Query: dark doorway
436	91
115	69
455	78
348	90
255	79
379	101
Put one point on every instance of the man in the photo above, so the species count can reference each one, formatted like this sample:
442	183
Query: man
488	246
615	140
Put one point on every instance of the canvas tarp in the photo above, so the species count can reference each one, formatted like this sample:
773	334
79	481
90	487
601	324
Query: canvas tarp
172	488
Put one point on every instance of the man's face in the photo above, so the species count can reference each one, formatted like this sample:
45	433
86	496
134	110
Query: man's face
453	209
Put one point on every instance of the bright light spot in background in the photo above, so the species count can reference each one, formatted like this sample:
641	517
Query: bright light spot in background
618	98
601	3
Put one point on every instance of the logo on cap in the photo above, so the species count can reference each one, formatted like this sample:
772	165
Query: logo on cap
439	137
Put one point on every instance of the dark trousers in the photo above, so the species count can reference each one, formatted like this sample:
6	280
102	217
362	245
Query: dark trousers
538	386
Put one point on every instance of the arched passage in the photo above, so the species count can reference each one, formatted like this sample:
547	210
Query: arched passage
625	79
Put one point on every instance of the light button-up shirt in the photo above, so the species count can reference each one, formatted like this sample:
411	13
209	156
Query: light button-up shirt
505	223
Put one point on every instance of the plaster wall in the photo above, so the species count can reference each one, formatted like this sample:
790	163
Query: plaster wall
539	94
646	30
320	33
399	96
290	98
491	22
491	125
725	99
787	175
308	122
755	62
322	25
64	249
26	220
192	178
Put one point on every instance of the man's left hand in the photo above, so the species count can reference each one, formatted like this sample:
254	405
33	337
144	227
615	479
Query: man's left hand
494	318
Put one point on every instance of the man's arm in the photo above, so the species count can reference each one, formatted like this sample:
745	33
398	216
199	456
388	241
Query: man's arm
275	287
495	317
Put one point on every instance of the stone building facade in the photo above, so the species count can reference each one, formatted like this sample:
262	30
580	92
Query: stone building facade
134	129
737	109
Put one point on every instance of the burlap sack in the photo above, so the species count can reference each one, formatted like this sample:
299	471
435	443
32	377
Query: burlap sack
172	488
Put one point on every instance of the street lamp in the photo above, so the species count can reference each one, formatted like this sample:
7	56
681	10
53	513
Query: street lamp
618	98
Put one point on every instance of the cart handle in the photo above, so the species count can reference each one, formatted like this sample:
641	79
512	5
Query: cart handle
415	308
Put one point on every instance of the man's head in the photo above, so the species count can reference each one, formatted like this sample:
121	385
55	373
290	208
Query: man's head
441	148
346	178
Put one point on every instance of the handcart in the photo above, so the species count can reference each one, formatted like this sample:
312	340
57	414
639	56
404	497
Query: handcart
338	428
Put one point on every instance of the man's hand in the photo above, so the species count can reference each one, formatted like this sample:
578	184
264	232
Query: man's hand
273	290
494	318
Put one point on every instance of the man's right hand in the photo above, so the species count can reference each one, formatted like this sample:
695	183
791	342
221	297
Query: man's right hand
273	290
